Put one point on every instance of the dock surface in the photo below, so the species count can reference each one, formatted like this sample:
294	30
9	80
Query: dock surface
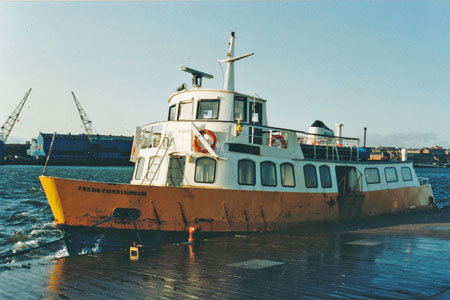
390	257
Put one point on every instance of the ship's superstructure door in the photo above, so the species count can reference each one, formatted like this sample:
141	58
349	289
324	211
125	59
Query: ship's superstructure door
350	199
175	172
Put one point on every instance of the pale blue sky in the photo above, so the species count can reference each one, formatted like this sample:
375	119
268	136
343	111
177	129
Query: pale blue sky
380	64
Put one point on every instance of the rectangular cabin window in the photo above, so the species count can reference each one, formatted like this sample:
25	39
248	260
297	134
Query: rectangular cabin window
325	176
310	176
205	169
372	175
208	109
185	111
268	174
172	112
391	174
246	172
287	175
240	108
406	174
139	168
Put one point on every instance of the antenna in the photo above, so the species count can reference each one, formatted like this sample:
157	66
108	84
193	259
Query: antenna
196	76
228	83
12	119
87	123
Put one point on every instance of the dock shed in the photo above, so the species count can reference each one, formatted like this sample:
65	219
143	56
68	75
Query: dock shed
78	148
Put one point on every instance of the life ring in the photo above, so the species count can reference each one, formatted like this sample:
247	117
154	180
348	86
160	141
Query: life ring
212	145
339	145
280	138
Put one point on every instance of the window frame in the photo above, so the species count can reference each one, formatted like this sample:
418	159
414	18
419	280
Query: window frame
179	109
261	173
385	174
410	174
174	106
293	173
137	167
254	172
214	173
315	173
378	172
207	100
243	99
329	174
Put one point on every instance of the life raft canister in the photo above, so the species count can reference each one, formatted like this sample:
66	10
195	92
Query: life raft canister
279	138
197	142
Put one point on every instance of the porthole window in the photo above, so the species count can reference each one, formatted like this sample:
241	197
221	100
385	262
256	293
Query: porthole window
246	172
268	174
372	175
205	169
310	176
406	174
139	168
325	176
287	175
391	174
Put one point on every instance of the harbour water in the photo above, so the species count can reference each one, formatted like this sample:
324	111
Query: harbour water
26	218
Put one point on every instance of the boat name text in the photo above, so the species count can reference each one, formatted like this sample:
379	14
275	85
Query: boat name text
110	191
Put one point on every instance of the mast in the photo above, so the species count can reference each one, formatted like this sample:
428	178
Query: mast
228	83
85	120
12	119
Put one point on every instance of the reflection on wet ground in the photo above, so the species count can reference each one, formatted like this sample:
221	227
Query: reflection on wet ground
390	257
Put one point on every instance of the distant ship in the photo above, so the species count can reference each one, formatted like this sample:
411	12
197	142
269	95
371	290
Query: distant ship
215	166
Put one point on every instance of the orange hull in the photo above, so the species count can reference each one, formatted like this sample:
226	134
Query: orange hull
84	203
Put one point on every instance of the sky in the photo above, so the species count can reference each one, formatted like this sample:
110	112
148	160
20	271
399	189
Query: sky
384	65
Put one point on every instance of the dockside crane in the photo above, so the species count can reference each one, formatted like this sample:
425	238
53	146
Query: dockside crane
85	120
12	119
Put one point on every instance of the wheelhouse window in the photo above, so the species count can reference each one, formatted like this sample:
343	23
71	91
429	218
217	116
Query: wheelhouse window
185	111
325	176
287	175
310	176
139	168
208	109
372	175
268	174
406	174
172	112
246	172
205	169
240	109
391	174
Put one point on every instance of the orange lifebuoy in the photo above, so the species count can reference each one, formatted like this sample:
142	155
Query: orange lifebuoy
280	138
339	145
213	141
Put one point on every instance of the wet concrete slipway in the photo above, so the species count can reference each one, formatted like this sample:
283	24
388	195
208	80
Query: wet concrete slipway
403	256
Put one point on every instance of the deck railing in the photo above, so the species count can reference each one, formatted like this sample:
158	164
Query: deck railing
313	146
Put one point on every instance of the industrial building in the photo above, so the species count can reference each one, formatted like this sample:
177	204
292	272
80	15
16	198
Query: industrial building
83	149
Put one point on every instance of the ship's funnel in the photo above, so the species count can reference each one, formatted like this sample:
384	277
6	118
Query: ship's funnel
228	83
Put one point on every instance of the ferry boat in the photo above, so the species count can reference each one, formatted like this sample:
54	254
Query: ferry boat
215	166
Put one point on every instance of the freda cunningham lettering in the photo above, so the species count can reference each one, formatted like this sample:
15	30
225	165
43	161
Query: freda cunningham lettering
110	191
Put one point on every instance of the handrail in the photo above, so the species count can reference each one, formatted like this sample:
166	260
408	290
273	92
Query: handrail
252	125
